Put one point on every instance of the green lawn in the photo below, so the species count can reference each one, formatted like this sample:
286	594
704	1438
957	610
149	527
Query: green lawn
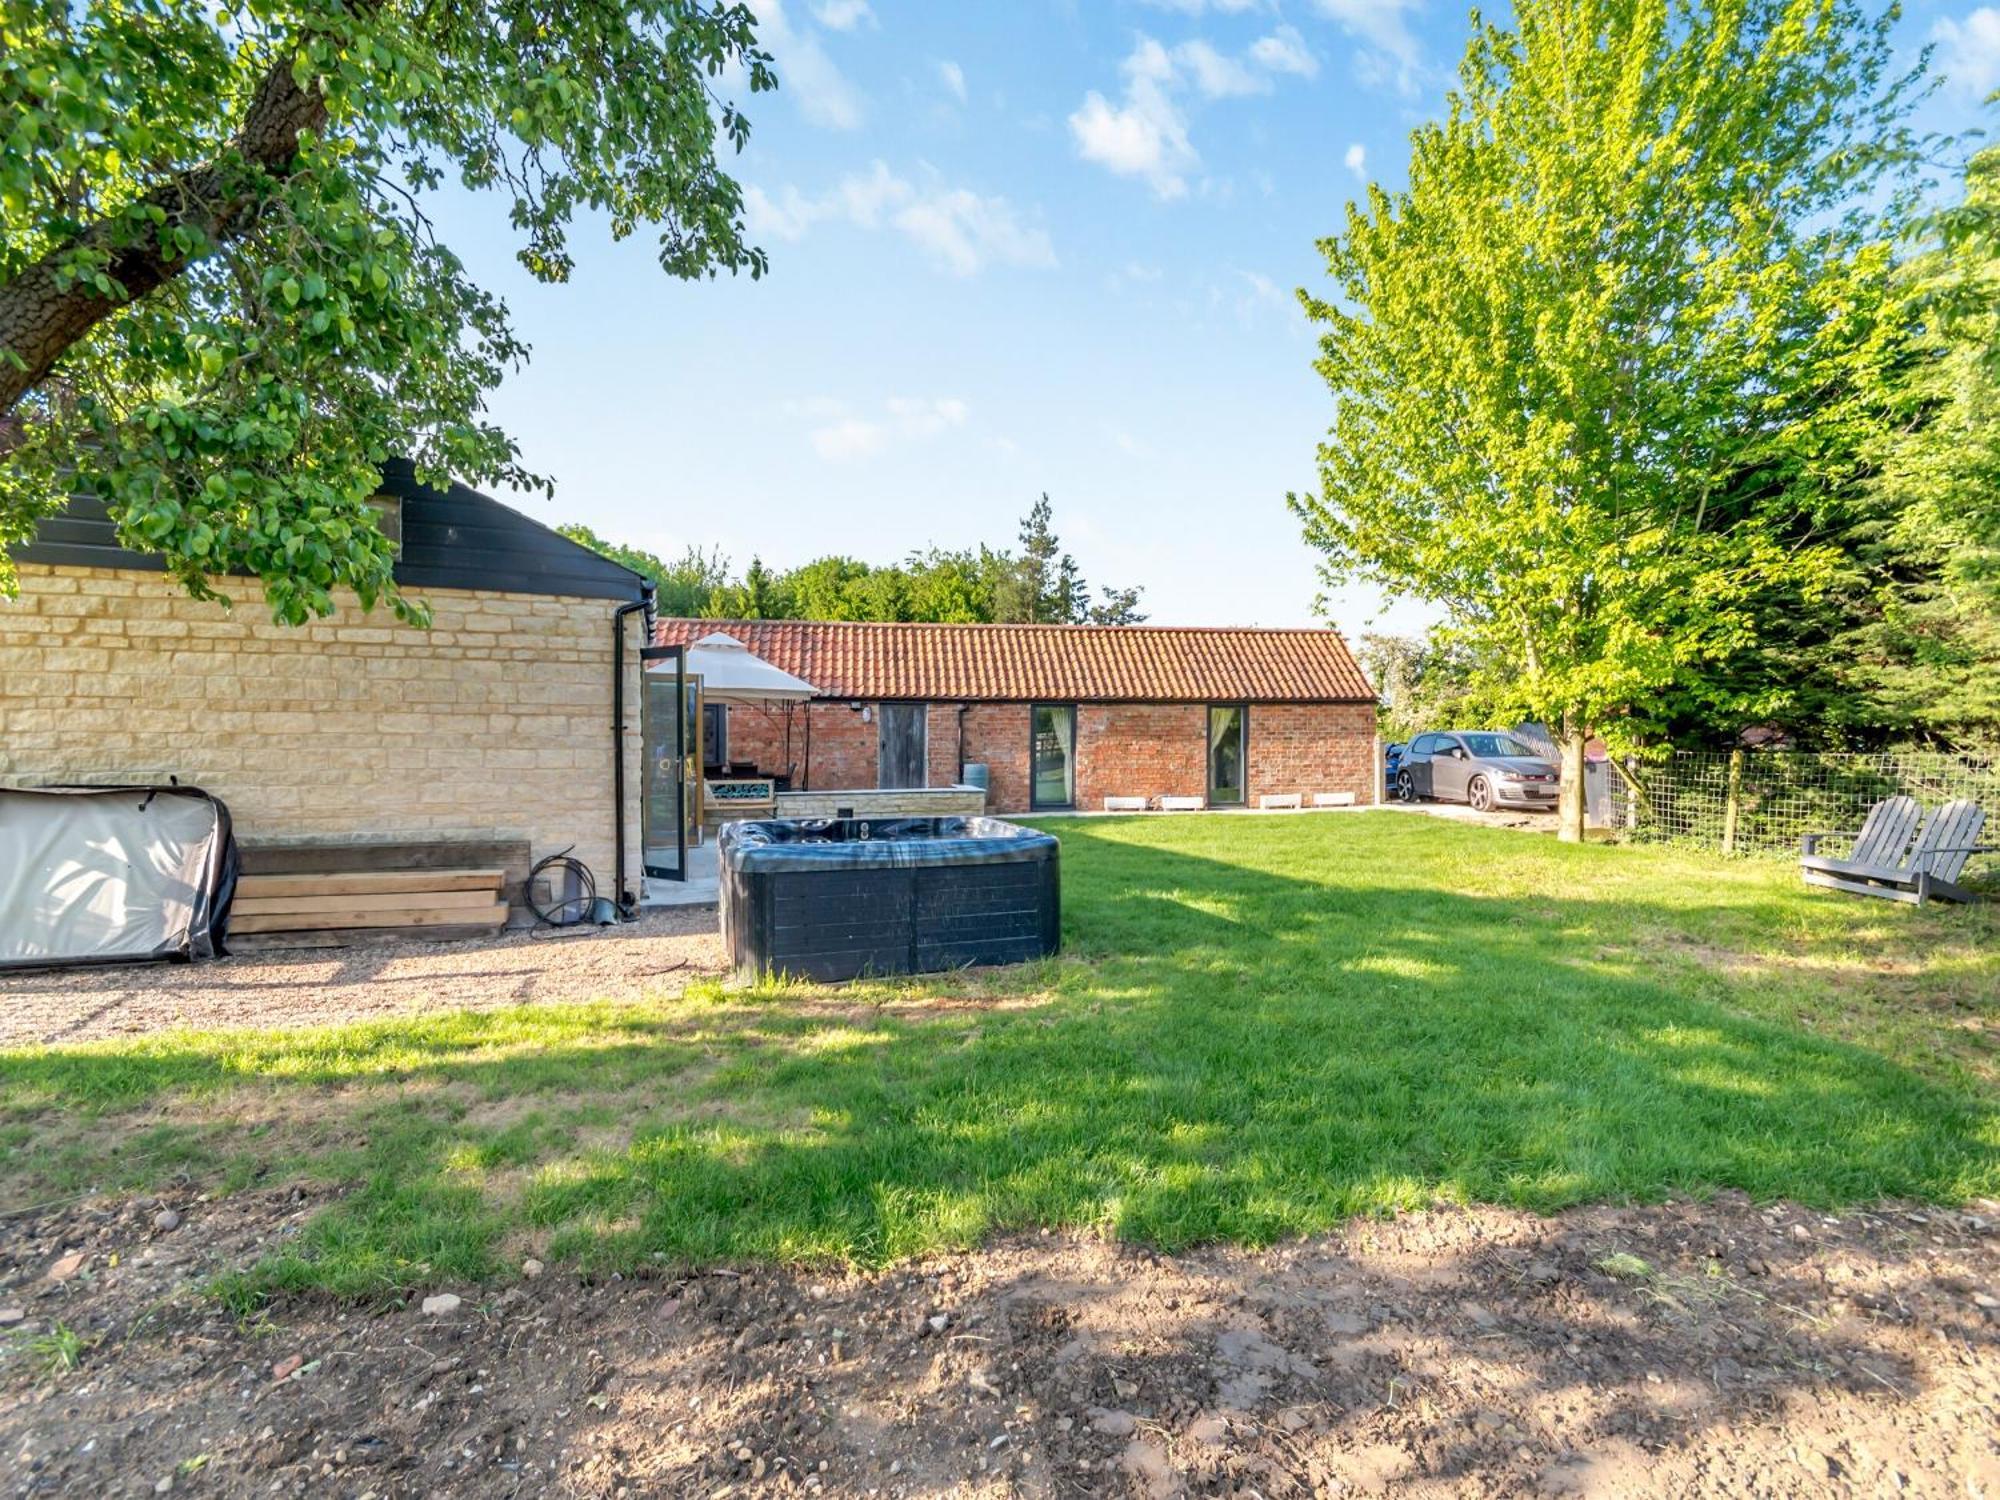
1260	1026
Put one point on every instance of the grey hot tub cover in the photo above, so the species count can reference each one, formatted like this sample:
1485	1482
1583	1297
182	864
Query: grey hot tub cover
111	874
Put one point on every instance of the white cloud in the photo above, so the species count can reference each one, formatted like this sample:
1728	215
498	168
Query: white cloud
1392	54
954	79
843	15
1217	76
849	438
901	419
1970	51
1263	290
1284	51
1145	133
1253	297
1198	7
960	230
963	231
1357	160
805	72
1145	136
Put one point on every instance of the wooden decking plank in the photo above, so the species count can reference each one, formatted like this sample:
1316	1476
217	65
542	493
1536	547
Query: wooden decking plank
334	921
367	882
260	906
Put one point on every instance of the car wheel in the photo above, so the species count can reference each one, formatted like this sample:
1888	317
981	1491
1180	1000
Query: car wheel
1480	794
1406	789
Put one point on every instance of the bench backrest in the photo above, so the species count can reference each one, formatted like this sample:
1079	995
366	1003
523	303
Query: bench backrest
1946	842
1885	832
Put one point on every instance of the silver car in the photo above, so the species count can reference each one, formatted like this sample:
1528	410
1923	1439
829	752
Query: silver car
1477	766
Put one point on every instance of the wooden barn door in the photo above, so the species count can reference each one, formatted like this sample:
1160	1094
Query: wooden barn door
901	747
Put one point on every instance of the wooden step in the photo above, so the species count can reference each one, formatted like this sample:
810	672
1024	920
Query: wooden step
259	906
494	914
367	883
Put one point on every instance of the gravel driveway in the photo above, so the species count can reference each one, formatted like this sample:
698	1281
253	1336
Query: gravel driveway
659	953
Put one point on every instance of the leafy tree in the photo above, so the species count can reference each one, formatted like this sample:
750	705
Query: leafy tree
1117	607
222	304
1904	643
835	588
1421	683
955	587
762	595
973	586
1932	646
1044	586
686	587
1636	241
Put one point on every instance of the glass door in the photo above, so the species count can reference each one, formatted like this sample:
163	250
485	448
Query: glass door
1053	756
1228	775
667	804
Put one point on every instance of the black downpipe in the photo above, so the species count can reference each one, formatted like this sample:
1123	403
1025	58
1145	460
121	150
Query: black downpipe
628	904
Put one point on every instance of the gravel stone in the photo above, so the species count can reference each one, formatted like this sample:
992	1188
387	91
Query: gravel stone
299	987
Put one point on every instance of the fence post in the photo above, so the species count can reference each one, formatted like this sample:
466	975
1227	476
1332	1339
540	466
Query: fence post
1732	801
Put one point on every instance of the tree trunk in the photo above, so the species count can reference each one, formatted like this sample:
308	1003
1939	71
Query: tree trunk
1570	805
41	319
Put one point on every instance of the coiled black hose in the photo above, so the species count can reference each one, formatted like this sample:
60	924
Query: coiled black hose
568	911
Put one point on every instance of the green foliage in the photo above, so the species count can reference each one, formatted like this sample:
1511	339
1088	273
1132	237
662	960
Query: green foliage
1628	263
1932	646
1420	684
1040	584
1904	643
685	587
222	305
58	1351
1044	586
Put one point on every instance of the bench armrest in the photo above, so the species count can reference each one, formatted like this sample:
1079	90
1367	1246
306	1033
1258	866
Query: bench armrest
1810	843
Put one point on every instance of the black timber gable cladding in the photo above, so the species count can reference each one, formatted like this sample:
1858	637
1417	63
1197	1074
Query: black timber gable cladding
452	539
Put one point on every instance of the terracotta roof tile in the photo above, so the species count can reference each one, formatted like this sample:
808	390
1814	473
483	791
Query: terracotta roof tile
1060	663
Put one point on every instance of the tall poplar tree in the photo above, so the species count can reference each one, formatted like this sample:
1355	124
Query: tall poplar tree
1644	237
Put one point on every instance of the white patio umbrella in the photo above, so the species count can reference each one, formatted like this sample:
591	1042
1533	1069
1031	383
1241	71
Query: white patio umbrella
731	673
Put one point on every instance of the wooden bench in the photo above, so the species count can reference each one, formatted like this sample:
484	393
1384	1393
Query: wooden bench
1333	799
1280	802
1885	862
1124	804
1182	804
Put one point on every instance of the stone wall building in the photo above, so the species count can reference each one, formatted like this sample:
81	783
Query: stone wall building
492	727
1060	716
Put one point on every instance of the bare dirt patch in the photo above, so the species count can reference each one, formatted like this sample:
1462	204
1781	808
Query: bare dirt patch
1730	1350
658	954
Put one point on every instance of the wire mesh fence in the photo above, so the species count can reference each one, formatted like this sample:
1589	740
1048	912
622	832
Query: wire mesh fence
1759	802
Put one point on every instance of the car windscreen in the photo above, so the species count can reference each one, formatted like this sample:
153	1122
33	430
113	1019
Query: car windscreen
1485	745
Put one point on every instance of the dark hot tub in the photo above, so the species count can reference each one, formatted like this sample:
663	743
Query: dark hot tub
837	898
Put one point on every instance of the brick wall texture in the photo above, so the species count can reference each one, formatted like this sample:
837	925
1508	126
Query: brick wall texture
1146	750
496	723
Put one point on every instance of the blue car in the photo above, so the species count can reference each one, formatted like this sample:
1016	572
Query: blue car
1392	761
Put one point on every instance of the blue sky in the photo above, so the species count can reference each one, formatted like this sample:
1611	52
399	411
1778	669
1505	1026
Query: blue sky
1015	247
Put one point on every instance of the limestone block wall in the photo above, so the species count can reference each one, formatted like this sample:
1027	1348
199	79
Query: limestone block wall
496	723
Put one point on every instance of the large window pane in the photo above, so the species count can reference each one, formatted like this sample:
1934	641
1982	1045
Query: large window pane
1225	754
1054	755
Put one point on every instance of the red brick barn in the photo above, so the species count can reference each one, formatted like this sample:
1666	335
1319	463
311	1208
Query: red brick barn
1062	716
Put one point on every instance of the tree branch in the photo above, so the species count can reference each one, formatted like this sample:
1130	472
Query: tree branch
42	316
